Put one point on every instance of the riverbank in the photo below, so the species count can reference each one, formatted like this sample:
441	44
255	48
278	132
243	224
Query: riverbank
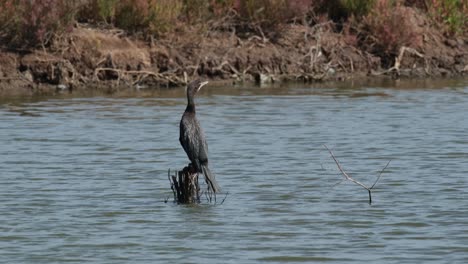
104	58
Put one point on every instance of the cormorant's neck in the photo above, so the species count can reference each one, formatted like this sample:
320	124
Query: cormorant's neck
190	104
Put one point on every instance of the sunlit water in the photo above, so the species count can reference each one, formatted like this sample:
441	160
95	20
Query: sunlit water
84	179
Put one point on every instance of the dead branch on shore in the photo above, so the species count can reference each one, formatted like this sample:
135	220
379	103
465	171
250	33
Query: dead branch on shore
349	178
12	78
399	59
138	76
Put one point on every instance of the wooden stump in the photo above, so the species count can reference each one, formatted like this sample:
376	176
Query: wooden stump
184	185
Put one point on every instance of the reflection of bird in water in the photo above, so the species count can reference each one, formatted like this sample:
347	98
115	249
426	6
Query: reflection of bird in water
192	138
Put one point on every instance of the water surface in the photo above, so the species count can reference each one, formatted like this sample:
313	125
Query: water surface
84	178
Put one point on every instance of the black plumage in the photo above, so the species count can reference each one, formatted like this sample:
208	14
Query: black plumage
193	139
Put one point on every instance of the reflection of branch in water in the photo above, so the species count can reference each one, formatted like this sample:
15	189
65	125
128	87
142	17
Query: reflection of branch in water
21	111
349	178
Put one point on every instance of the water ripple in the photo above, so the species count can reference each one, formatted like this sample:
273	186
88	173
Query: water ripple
84	179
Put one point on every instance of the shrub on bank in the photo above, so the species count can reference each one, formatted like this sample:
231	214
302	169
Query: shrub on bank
388	27
201	11
148	16
266	17
341	10
32	23
26	23
357	7
421	4
451	13
269	12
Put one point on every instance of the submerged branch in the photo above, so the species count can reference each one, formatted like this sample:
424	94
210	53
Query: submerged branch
380	174
349	178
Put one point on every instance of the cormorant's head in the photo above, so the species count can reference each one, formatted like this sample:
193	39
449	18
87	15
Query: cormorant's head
195	86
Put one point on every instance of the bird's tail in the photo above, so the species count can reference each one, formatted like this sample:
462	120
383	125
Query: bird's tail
210	179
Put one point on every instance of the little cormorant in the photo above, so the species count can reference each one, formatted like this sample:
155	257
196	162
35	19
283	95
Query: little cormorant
192	138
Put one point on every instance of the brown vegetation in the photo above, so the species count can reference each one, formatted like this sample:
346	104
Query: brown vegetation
59	44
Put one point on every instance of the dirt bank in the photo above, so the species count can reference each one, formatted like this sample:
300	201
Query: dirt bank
92	58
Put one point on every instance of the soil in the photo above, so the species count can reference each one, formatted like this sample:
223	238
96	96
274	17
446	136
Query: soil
91	58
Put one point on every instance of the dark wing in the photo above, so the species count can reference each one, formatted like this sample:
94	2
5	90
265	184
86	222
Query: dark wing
183	139
203	149
190	139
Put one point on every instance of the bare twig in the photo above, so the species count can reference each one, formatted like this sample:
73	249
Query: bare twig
402	52
141	75
10	78
349	178
399	58
343	172
380	174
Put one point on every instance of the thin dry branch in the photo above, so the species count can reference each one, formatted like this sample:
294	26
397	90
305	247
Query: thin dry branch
141	75
10	78
399	58
380	174
343	172
349	178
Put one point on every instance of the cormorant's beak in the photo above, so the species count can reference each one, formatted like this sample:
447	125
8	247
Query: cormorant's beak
201	85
